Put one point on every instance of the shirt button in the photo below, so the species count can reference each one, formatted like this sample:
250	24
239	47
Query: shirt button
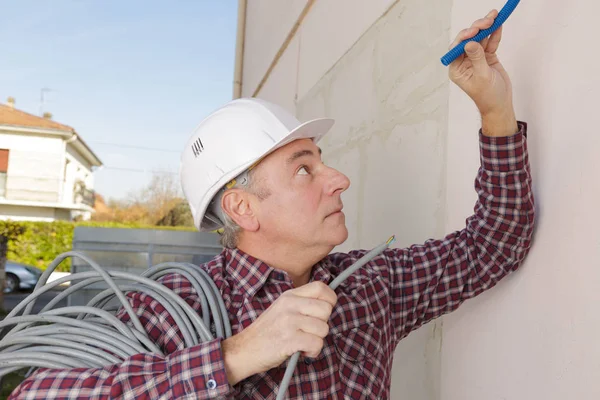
308	361
211	384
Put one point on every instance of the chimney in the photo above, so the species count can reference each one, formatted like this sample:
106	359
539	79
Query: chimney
48	115
11	102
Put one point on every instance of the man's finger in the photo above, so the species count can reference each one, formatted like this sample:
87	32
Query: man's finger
475	53
480	24
317	290
493	14
493	41
315	308
483	23
313	326
463	35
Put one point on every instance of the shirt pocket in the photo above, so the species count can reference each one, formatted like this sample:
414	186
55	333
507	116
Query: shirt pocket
359	362
358	343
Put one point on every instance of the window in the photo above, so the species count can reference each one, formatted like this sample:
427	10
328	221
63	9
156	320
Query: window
3	170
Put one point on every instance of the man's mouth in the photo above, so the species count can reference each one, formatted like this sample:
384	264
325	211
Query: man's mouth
335	212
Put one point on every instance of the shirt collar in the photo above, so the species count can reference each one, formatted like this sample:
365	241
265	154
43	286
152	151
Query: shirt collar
322	271
250	274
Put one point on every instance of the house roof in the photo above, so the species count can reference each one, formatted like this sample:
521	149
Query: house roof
12	116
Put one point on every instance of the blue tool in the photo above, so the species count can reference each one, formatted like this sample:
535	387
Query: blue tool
502	17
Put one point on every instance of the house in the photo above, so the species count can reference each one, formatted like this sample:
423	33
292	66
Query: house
46	169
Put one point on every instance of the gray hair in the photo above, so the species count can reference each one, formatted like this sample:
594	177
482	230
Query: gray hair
231	230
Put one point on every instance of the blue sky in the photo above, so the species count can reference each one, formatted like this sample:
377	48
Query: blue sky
138	73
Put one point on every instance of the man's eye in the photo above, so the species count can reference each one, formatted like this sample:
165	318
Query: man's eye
303	171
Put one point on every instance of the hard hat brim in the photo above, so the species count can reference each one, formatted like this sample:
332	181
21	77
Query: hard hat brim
314	129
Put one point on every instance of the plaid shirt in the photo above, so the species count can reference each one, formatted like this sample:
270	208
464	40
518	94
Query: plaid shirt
380	304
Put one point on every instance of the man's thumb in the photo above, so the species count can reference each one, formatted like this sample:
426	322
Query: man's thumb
477	56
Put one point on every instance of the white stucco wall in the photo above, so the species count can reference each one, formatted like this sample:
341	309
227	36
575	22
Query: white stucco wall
34	166
273	20
375	68
536	335
77	169
37	187
29	213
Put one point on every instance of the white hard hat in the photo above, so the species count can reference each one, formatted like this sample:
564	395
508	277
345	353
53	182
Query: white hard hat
229	141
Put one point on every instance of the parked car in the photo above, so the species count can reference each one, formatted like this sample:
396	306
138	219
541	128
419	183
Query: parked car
20	276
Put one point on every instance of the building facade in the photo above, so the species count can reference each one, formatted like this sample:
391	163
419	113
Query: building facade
46	169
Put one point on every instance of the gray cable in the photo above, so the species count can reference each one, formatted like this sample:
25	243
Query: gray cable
110	338
195	319
70	331
102	272
206	292
195	284
78	335
71	289
10	359
85	359
25	361
90	336
216	293
99	356
110	319
177	315
29	319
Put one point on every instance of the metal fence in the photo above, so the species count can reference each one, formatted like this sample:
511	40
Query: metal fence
134	250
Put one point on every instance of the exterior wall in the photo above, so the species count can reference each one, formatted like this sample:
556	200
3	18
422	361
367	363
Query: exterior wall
77	169
536	336
45	170
34	167
274	20
349	62
407	138
28	213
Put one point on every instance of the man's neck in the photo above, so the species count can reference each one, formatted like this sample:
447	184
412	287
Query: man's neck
297	262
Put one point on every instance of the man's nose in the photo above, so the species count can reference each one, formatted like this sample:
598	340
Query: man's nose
337	183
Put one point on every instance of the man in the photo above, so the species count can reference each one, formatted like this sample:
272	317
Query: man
255	171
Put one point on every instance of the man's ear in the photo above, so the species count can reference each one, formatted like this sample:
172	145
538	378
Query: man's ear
236	203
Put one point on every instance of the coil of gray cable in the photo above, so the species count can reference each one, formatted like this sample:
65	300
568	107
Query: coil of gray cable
91	336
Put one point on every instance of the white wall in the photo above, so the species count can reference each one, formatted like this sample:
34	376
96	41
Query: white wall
34	166
28	213
377	71
536	336
78	169
270	23
329	30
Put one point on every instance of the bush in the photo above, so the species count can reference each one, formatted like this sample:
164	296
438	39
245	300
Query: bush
39	243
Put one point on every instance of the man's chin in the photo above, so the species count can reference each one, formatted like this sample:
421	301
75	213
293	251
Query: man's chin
339	236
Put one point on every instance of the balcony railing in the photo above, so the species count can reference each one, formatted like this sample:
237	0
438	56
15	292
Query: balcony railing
85	196
47	190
